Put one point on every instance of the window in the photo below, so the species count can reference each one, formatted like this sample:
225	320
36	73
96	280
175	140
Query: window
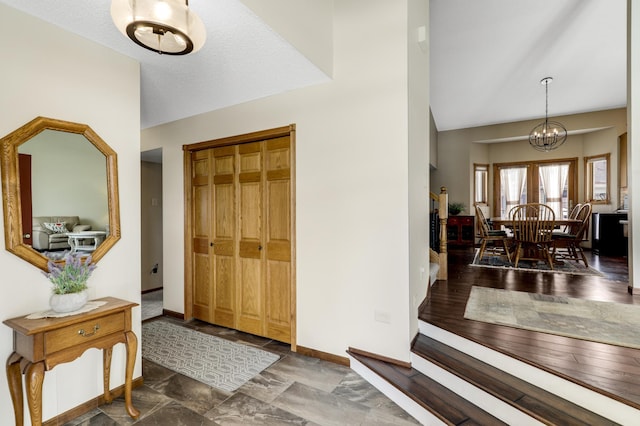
480	183
596	172
554	188
550	182
513	188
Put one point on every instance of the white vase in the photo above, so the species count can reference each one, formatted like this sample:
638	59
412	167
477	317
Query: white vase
68	302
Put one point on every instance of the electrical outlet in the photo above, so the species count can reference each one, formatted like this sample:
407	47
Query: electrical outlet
382	316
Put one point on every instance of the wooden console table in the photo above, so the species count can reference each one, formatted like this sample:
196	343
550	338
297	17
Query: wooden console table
41	344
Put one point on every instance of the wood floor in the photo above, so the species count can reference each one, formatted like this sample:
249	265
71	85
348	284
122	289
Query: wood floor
611	370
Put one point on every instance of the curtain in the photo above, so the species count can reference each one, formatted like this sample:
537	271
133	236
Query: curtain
513	181
553	180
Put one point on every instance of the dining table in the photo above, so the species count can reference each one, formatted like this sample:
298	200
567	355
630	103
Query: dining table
499	222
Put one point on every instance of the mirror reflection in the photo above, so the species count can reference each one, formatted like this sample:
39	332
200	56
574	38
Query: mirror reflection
60	193
68	197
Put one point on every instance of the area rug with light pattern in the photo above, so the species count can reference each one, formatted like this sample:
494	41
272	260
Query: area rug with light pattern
501	262
217	362
604	322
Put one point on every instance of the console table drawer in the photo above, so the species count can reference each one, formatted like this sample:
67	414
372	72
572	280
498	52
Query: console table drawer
82	332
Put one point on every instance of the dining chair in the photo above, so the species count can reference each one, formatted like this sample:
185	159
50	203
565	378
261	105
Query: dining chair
572	215
533	225
566	245
488	235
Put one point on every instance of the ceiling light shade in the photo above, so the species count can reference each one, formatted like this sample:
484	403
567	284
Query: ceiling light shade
163	26
547	135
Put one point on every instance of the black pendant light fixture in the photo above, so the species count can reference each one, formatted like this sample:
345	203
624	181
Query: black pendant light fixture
547	135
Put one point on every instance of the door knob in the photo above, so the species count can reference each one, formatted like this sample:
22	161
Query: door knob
259	247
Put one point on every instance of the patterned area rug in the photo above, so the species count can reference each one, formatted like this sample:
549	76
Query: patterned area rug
605	322
219	363
501	262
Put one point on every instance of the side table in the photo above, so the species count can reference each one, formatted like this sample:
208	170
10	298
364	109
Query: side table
77	240
41	344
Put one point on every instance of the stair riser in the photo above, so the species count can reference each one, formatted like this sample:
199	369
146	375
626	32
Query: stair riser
478	397
593	401
407	404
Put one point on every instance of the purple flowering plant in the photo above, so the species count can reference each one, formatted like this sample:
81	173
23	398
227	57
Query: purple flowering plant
70	276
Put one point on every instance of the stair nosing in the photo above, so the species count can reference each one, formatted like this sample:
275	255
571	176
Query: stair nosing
364	360
474	361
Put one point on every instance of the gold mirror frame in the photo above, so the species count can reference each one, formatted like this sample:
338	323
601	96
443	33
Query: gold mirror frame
11	186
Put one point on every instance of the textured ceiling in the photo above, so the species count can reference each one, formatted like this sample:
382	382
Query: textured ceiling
242	59
488	57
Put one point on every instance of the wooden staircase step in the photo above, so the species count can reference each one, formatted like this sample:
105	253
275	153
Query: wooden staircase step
532	400
448	406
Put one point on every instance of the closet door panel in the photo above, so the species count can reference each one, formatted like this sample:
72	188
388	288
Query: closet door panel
250	211
250	309
201	231
278	318
242	233
278	158
278	239
279	224
223	221
250	272
224	294
201	286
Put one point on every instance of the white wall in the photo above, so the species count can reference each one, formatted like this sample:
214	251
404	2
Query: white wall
351	194
419	150
151	226
49	72
633	116
305	24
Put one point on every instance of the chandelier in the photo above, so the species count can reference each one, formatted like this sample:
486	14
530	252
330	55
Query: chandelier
547	135
163	26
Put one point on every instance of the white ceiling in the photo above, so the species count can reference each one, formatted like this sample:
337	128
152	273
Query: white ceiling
242	59
487	58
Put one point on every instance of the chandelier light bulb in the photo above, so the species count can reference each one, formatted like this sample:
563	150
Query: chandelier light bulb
162	10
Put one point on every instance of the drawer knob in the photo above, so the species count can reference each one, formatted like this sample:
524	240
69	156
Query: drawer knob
85	334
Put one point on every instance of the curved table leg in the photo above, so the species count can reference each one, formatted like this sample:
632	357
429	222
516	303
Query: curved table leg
14	377
132	347
34	375
106	373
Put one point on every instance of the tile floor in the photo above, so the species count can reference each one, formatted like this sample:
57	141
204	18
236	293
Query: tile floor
151	304
296	390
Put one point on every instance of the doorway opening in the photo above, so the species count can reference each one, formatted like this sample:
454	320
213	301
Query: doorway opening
151	233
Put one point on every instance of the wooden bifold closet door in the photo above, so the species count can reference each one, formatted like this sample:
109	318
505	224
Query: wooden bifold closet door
240	235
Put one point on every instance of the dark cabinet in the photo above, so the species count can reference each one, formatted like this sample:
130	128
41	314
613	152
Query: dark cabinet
607	233
461	230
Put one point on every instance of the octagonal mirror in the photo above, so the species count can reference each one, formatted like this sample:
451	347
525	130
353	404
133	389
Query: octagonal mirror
59	192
